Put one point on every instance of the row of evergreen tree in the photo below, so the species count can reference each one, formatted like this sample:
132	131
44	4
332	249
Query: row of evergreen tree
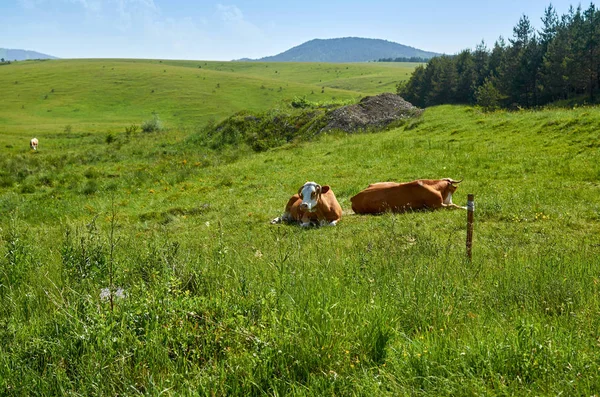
561	61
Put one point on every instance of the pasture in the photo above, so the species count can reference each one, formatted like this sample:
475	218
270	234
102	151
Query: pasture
143	264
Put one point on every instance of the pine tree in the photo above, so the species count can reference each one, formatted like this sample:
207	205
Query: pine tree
591	46
576	60
443	78
550	28
465	69
415	88
520	66
481	64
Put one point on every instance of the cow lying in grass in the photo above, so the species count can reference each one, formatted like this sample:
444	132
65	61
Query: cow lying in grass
313	204
400	197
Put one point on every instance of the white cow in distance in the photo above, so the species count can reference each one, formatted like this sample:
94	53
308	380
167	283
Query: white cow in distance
33	143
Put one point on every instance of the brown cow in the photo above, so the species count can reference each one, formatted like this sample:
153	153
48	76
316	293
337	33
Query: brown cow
312	204
400	197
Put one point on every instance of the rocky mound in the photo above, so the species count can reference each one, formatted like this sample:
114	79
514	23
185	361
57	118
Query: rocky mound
371	112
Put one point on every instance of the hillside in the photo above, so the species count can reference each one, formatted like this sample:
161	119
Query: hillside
347	49
98	95
22	55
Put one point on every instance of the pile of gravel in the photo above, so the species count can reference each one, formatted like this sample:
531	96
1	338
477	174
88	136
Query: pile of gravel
371	112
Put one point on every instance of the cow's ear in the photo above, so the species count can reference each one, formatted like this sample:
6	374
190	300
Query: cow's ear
300	191
325	189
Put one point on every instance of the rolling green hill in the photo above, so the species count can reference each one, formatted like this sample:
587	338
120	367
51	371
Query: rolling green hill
98	95
142	263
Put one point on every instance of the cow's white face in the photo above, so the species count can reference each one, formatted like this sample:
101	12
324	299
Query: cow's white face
448	199
451	189
309	193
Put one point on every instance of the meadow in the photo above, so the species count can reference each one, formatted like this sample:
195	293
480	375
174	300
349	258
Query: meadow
142	263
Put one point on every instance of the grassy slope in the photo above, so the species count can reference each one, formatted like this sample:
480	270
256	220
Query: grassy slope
368	78
219	300
101	95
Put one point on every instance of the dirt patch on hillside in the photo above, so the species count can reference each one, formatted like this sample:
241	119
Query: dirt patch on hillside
371	112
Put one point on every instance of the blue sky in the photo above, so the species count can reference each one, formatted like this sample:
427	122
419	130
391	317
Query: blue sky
224	30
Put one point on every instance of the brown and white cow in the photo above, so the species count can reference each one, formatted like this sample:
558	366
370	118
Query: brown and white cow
312	204
33	143
400	197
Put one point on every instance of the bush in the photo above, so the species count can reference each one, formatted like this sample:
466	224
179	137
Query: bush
132	129
152	125
301	103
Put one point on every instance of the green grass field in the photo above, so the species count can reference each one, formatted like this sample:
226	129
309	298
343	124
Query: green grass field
97	95
210	299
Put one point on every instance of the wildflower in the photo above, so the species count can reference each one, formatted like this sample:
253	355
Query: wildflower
151	190
105	294
120	293
207	223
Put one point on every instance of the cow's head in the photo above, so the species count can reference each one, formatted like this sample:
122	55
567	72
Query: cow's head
450	189
310	194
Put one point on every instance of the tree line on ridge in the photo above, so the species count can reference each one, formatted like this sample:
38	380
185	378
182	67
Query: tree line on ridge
561	61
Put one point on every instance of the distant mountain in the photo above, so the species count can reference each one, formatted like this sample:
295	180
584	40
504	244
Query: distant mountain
22	55
347	49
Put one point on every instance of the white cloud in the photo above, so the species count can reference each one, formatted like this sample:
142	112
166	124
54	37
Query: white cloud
229	13
235	25
135	12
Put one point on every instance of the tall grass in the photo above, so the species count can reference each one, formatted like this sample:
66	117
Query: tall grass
147	269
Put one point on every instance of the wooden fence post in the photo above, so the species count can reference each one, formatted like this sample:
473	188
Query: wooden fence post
470	211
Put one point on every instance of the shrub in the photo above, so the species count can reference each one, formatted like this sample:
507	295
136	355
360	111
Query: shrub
132	129
152	125
301	103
